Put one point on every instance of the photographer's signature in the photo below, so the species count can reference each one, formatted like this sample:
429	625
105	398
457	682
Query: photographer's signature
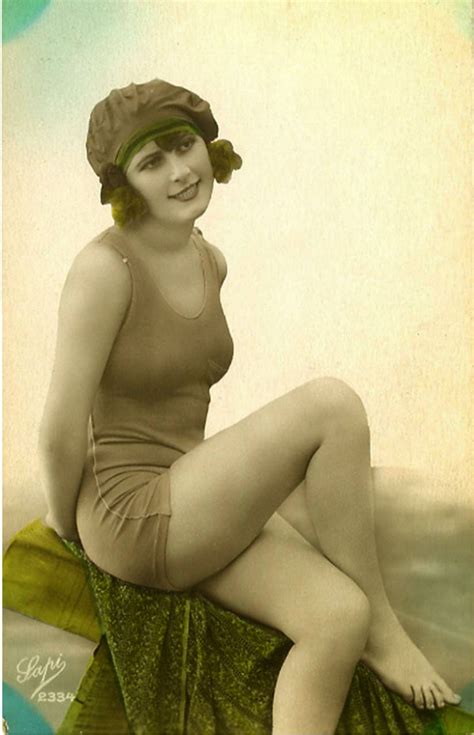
33	668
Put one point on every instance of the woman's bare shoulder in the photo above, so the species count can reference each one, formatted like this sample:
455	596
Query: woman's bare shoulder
98	278
219	258
100	262
103	250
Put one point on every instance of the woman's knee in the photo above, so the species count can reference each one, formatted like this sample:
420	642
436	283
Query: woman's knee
358	614
345	621
353	611
336	404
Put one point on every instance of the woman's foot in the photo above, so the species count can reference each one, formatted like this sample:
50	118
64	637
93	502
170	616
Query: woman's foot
402	667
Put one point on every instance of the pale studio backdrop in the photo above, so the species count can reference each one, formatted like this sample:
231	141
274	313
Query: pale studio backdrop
346	232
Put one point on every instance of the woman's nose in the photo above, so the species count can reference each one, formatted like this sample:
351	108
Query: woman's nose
178	167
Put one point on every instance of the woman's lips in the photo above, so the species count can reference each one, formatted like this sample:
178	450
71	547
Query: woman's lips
188	193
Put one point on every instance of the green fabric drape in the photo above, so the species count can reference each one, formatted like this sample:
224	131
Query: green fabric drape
175	663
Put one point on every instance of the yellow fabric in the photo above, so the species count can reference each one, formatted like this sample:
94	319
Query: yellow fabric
43	580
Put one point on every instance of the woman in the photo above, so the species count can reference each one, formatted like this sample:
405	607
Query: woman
272	517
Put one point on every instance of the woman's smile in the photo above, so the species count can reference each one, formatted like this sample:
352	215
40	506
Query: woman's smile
189	192
182	174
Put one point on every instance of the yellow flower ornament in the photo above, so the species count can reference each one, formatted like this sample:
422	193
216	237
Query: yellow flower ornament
224	160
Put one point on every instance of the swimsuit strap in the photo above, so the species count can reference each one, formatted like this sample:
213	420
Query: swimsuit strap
117	241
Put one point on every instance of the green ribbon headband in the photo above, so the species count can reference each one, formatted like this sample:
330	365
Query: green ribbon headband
142	137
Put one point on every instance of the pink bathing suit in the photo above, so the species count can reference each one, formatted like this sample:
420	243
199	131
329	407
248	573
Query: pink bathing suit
150	409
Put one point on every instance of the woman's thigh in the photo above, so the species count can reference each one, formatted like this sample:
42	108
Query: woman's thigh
224	490
284	582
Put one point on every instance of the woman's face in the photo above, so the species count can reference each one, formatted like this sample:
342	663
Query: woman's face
176	184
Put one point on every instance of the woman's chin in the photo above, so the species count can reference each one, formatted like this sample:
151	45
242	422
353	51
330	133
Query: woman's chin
190	211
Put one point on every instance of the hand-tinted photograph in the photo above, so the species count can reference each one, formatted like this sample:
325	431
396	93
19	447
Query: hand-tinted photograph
237	326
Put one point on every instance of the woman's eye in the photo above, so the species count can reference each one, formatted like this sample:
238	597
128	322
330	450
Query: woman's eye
151	163
186	144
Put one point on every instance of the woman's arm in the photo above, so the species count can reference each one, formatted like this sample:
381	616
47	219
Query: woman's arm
92	307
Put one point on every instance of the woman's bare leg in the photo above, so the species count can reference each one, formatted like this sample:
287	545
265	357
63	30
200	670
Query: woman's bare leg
344	530
224	491
282	581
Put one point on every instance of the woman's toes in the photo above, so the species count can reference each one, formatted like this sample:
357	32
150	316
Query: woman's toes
418	698
429	699
447	693
437	697
453	699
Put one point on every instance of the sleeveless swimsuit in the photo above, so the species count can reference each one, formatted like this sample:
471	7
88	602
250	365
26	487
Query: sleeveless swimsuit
150	409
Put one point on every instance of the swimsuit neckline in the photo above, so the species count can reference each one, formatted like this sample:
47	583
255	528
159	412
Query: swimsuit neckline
204	276
197	245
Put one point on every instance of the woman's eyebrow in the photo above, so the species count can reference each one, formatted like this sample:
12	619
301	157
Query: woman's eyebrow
153	154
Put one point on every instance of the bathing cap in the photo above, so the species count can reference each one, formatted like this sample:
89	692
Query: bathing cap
129	117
